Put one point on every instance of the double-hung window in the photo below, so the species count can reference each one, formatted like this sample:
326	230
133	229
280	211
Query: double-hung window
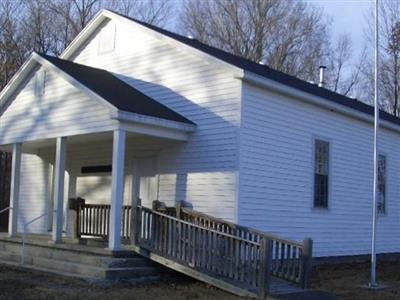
321	173
382	184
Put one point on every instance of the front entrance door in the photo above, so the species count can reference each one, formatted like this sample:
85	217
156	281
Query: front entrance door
5	177
145	179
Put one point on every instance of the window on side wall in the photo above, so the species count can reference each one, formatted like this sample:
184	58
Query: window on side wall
321	173
382	184
107	39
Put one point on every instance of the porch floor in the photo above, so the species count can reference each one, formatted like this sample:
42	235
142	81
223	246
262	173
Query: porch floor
89	245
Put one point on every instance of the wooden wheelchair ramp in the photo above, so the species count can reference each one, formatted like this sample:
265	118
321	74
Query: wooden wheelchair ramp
235	258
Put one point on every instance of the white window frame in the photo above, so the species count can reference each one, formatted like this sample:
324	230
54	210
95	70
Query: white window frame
385	211
330	167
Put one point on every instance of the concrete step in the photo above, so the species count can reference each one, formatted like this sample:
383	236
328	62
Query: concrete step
31	267
82	269
81	260
76	257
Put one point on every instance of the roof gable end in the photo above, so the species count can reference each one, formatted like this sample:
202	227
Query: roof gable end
116	92
101	85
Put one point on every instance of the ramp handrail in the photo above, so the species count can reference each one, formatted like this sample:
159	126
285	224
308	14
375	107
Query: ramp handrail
225	257
24	234
291	260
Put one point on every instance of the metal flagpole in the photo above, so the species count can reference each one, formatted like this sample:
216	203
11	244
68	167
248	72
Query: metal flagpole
373	282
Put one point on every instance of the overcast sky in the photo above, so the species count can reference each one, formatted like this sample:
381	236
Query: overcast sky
348	16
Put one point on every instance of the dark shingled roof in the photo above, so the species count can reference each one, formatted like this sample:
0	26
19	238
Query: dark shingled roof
115	91
272	74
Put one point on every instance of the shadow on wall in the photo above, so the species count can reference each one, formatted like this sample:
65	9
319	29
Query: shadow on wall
38	110
208	158
206	165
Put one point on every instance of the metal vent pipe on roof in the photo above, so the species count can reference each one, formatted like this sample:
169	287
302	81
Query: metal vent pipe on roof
322	76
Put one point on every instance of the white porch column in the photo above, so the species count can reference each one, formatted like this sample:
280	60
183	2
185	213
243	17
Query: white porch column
59	169
14	190
72	215
117	190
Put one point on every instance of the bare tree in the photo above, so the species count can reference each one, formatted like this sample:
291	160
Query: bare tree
39	26
394	51
154	12
389	46
290	36
11	54
344	71
74	15
48	26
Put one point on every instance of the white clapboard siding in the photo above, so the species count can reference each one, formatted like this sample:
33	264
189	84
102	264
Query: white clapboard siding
96	188
276	179
203	92
35	191
62	110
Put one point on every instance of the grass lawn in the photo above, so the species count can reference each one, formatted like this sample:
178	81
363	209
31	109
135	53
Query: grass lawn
344	280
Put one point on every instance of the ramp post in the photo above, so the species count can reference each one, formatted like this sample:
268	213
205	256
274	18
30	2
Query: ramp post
265	267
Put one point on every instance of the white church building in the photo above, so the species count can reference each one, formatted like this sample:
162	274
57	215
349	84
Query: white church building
131	110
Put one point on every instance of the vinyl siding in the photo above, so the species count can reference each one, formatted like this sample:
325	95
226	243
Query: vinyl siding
62	110
35	193
203	170
276	175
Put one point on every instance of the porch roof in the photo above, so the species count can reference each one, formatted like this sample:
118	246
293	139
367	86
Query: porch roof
115	91
118	106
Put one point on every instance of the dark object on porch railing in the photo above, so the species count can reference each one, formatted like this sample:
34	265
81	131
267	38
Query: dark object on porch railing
5	183
93	220
73	203
290	260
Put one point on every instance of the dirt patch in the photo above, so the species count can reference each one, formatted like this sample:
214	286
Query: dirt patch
22	284
345	280
348	281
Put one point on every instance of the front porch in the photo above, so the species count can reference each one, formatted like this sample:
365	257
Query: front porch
52	110
109	170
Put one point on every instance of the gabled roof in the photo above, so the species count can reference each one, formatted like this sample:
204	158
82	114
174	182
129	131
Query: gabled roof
115	91
269	73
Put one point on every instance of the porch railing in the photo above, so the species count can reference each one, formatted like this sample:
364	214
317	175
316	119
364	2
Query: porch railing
94	219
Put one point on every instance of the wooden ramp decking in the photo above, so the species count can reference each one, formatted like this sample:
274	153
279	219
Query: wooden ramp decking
237	259
281	287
